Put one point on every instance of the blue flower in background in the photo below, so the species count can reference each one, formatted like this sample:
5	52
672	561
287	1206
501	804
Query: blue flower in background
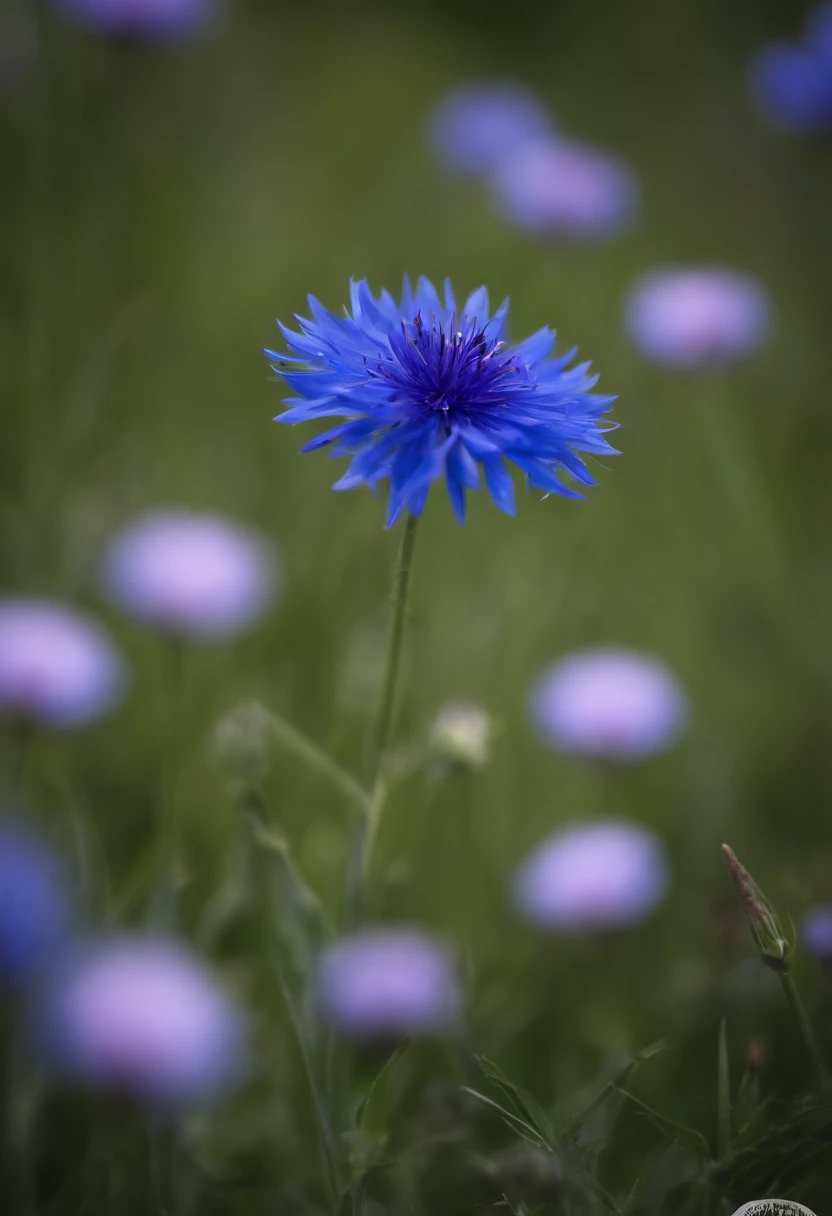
429	390
34	919
476	125
793	83
816	931
144	19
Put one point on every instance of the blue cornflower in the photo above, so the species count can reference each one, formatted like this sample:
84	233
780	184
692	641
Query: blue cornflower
429	390
35	920
793	82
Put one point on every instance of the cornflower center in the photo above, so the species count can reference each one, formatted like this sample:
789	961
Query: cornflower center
443	369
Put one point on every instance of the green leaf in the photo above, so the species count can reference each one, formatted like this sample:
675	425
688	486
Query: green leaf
523	1128
373	1110
676	1133
526	1103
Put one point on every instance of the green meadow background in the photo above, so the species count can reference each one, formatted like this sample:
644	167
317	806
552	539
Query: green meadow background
160	208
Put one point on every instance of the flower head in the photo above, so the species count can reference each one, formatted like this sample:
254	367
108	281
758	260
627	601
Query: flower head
816	931
564	189
428	390
142	1018
476	125
57	667
593	876
610	704
696	318
144	19
792	83
34	913
388	983
193	575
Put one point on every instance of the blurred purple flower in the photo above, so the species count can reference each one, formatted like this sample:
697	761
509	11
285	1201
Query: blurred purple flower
141	1018
610	704
56	667
566	189
388	983
167	20
34	911
476	125
193	575
792	83
816	931
695	318
593	876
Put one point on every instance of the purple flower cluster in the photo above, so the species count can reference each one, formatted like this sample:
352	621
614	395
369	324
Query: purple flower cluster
542	183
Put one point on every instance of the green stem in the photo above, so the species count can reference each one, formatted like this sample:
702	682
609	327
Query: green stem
804	1028
401	586
163	912
163	1168
297	744
723	1106
384	715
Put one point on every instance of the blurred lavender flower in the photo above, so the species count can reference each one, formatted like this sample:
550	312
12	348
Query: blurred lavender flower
167	20
192	575
56	667
430	390
388	983
593	876
696	318
476	125
610	704
816	931
461	735
142	1018
792	84
566	190
34	912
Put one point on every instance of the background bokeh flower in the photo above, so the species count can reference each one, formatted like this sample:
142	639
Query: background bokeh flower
141	1018
609	704
600	875
141	19
692	318
35	914
816	931
57	667
565	189
388	983
792	82
195	575
476	125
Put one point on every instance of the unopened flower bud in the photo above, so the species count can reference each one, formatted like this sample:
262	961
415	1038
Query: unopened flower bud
462	734
240	745
774	948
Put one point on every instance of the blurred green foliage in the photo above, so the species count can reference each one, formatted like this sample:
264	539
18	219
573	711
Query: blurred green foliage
160	208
